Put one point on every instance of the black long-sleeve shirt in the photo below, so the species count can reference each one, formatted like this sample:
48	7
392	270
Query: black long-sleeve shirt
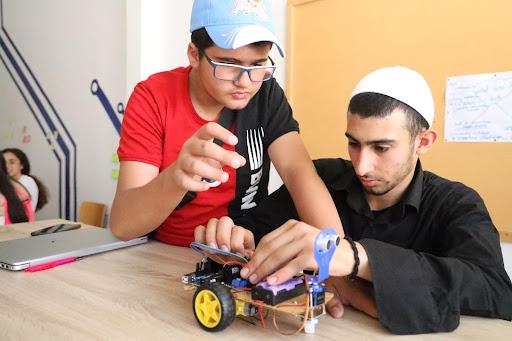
433	256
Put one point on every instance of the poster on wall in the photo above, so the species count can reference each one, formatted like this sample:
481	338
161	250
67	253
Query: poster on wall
479	108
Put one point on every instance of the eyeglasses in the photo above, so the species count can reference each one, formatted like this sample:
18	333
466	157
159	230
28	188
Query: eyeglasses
232	72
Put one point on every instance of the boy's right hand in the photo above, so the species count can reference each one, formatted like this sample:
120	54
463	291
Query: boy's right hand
358	293
201	158
224	234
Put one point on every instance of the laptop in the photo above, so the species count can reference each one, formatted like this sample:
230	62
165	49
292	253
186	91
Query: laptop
20	254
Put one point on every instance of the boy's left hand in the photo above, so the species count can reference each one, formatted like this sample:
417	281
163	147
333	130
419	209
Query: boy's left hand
225	235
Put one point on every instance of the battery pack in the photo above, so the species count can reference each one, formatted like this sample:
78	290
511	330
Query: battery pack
275	294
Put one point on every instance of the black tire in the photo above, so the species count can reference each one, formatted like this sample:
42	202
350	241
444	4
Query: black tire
213	299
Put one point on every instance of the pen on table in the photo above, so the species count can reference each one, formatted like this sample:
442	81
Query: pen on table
50	265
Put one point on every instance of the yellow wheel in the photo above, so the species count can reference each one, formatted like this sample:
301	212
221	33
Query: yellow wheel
214	307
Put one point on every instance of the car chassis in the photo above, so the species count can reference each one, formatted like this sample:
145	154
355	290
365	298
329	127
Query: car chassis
221	294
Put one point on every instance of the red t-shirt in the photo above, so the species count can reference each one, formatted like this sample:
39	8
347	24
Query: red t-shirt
160	117
153	131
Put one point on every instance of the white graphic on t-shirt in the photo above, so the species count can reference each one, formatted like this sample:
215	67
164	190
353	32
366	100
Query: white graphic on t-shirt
255	148
248	7
251	191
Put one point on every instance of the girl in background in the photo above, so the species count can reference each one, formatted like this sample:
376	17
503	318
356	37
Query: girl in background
18	168
15	201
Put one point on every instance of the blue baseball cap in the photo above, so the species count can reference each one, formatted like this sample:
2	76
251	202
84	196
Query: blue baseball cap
235	23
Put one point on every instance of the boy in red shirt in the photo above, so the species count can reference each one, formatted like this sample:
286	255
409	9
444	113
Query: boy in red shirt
173	175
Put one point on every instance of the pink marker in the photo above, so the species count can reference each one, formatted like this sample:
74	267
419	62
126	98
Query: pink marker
50	265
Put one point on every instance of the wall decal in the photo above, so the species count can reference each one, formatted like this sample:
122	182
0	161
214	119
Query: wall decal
115	165
98	91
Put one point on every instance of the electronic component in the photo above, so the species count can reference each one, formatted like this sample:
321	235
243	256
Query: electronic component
207	271
240	283
230	272
325	245
275	294
316	295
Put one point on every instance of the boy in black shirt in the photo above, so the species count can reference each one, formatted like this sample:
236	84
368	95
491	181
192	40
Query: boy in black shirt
425	251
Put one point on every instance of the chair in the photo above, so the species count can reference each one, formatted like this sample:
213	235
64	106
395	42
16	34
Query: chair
92	213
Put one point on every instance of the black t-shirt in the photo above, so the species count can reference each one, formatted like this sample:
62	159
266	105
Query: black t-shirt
433	256
266	117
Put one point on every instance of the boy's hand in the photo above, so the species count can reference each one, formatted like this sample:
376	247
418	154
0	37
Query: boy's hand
201	158
286	251
282	254
357	293
224	234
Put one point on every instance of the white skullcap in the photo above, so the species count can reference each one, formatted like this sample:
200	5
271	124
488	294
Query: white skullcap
402	84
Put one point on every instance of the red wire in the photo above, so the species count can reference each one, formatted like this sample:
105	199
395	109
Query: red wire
260	313
306	312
